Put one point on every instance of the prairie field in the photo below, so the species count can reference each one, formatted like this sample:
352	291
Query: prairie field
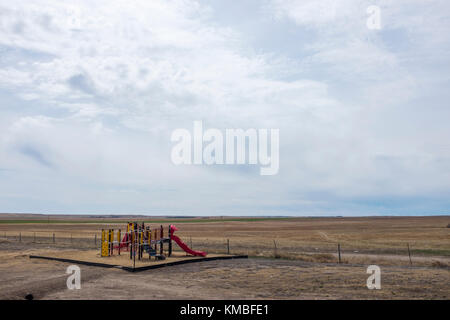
289	258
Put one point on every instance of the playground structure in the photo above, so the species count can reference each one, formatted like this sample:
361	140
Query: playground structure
140	239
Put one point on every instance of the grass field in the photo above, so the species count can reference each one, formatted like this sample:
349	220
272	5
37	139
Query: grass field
281	245
123	221
293	237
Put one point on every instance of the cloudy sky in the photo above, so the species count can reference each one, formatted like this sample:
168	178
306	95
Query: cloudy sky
90	93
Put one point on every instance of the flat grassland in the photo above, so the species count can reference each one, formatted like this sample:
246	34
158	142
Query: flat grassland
290	258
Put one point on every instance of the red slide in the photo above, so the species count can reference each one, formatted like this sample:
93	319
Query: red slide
184	246
123	243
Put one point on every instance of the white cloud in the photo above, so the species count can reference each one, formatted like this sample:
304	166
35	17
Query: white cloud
90	93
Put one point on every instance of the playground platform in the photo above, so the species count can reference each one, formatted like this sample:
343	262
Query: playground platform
123	261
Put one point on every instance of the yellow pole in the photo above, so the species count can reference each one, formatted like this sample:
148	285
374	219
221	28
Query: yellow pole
118	241
104	246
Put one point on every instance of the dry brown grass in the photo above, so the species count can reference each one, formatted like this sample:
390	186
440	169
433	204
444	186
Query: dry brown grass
439	264
362	240
228	279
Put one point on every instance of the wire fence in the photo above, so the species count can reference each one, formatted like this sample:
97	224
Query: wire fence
56	239
271	248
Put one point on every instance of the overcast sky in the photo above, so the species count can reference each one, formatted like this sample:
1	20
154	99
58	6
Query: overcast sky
90	94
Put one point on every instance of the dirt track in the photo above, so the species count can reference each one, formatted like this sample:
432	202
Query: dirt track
237	279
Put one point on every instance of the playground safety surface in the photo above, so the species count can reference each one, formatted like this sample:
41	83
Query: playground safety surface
123	261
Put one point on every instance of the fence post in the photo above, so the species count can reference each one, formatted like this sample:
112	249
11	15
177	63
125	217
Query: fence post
34	240
339	253
191	242
20	237
275	248
409	254
53	238
95	240
228	246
